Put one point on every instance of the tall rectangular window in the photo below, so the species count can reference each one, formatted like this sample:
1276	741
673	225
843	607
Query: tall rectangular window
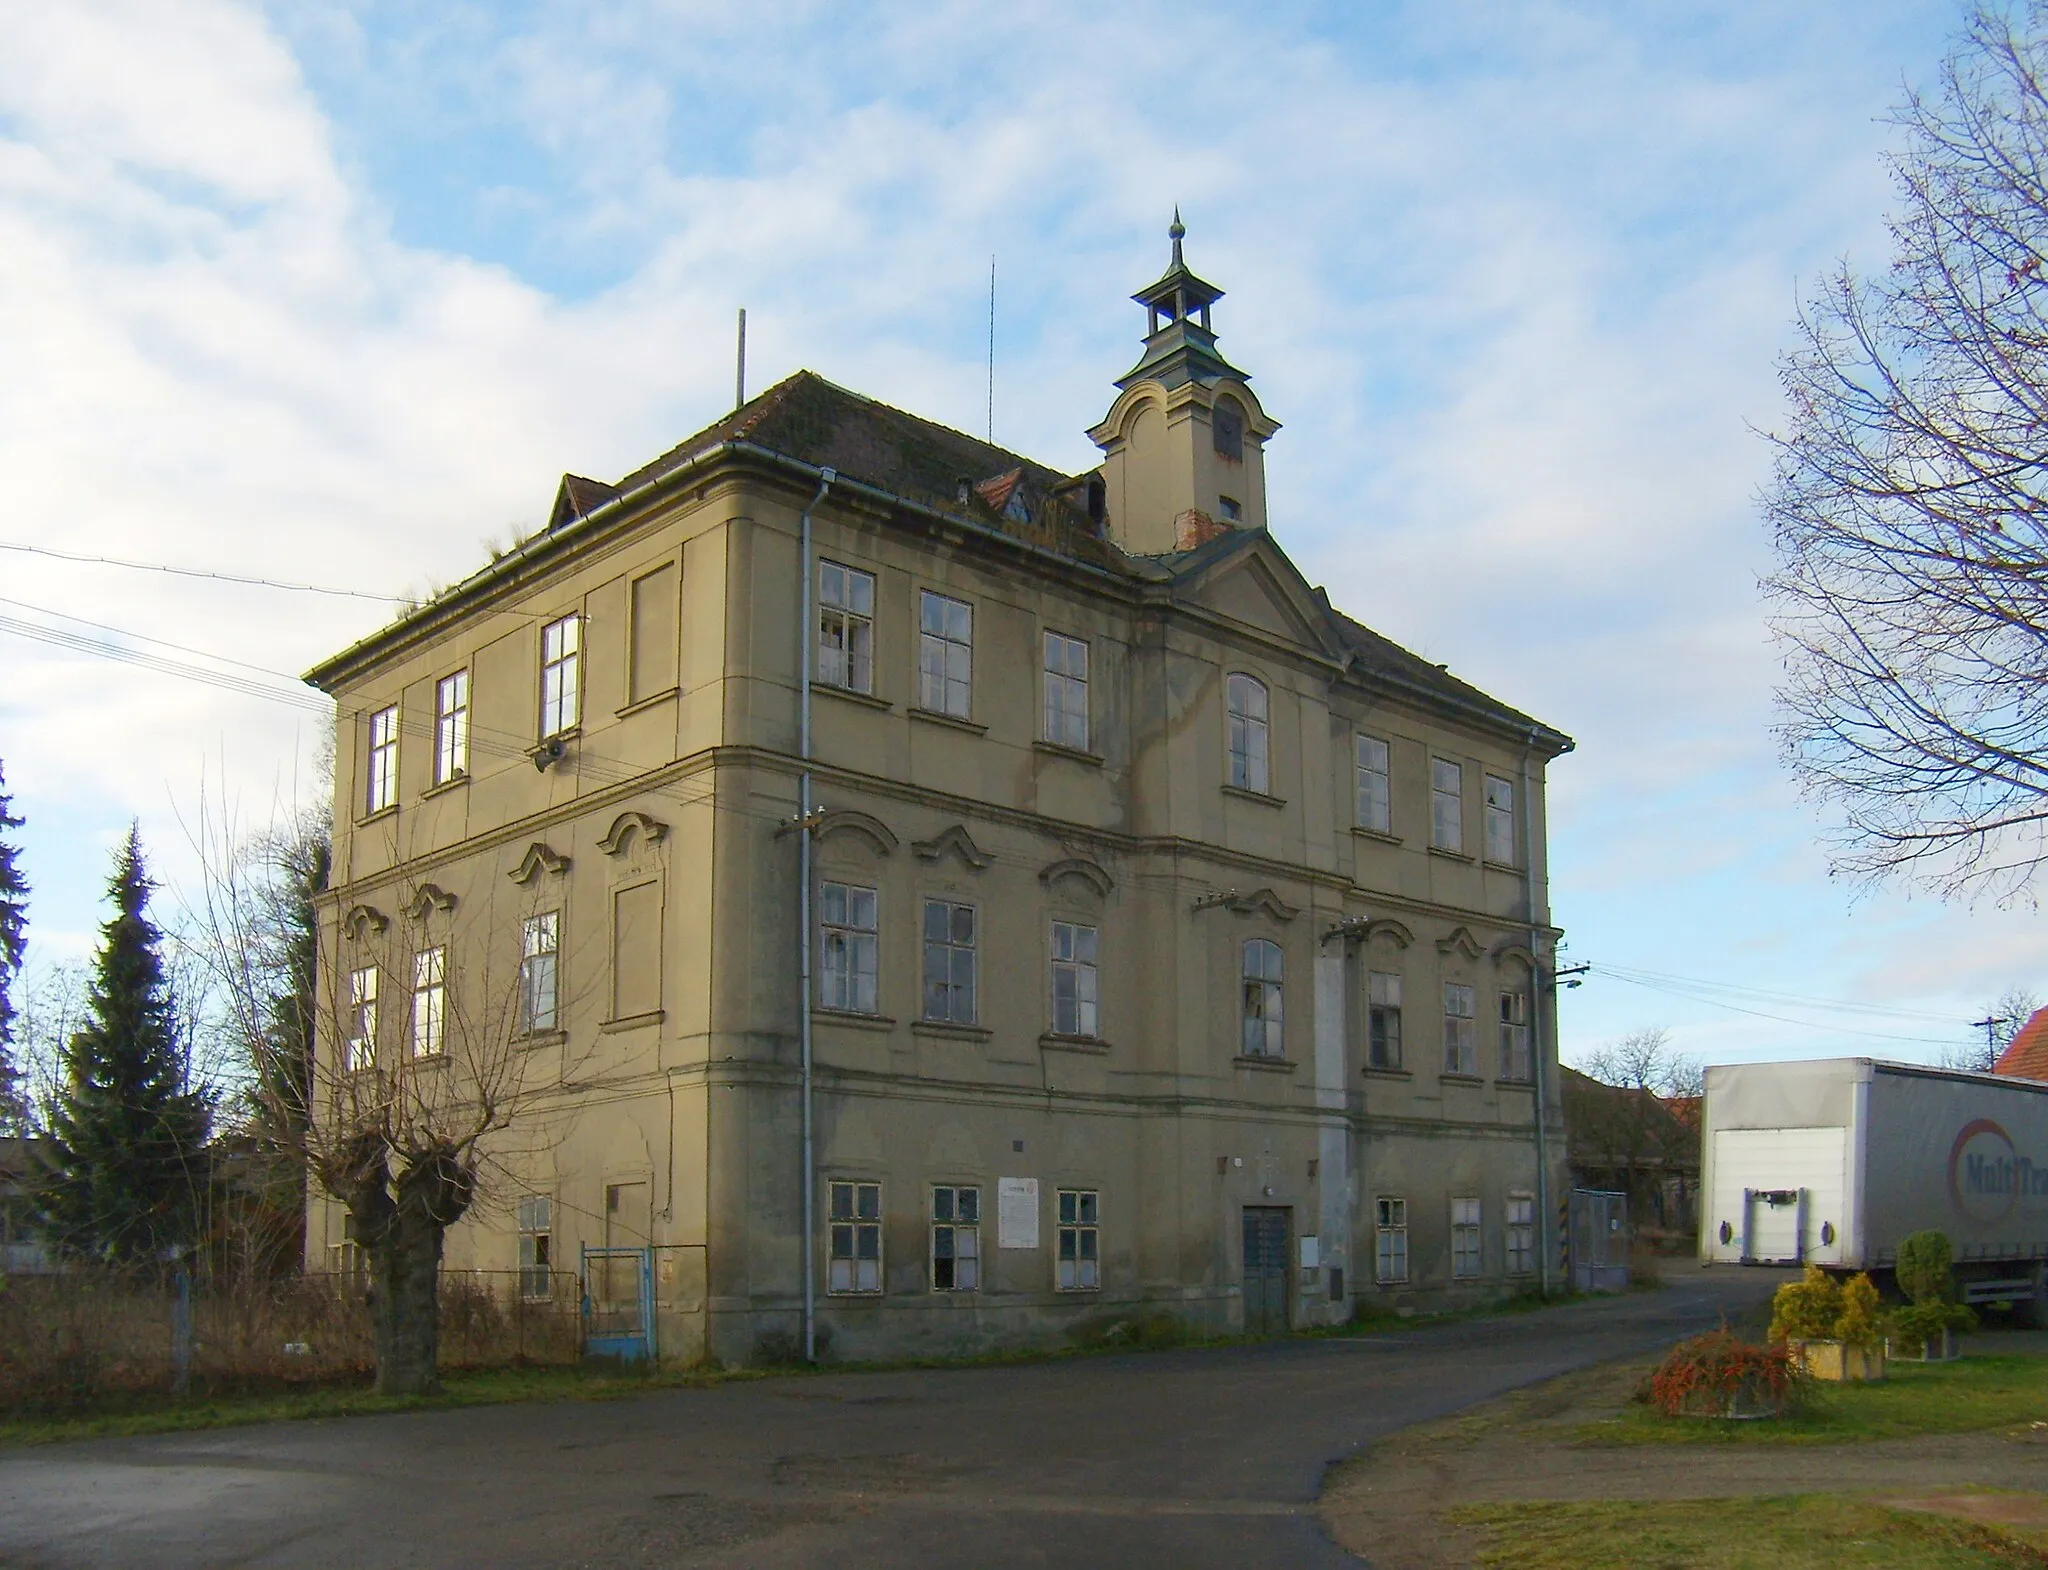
1390	1240
429	1001
1245	699
1446	804
362	1017
383	778
956	1239
949	954
1264	1027
1375	796
1073	980
561	656
451	727
1464	1238
1500	820
856	1238
1383	1019
850	962
1521	1222
540	942
846	627
945	655
536	1247
1461	1044
1515	1058
1066	691
1080	1240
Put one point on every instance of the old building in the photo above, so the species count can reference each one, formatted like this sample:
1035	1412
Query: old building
1176	943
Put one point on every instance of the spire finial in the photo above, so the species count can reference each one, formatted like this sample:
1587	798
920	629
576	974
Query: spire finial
1175	234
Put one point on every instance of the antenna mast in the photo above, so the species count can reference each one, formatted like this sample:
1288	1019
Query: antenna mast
991	350
739	376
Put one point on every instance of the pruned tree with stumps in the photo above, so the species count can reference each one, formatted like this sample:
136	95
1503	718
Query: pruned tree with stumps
127	1165
14	1101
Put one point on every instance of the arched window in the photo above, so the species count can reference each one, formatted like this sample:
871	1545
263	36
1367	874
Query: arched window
1246	698
1262	1008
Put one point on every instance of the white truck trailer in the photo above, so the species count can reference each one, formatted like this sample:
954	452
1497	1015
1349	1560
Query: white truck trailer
1832	1162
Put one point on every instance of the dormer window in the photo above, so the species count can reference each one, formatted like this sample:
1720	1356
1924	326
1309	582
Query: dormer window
1226	427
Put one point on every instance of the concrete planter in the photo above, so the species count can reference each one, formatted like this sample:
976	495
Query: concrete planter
1838	1362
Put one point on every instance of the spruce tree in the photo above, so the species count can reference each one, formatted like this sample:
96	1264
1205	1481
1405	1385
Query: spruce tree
127	1135
13	946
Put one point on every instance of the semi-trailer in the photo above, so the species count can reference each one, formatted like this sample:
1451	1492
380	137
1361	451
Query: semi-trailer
1832	1162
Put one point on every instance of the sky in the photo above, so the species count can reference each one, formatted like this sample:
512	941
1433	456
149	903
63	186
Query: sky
333	294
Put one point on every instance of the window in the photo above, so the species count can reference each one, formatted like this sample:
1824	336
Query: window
856	1263
956	1239
1464	1239
1446	804
1383	1019
1515	1061
362	1017
1461	1044
561	644
1080	1242
383	759
540	942
849	964
1073	980
1066	691
1390	1241
536	1247
1375	799
351	1265
949	962
451	727
1226	429
945	655
1262	1008
1500	820
429	1001
1229	509
1246	699
1521	1235
846	627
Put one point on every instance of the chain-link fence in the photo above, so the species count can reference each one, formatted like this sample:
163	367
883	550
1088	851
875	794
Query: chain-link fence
85	1333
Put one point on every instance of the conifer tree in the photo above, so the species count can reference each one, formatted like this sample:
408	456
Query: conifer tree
127	1133
13	946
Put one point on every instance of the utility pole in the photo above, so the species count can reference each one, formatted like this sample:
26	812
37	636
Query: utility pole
1989	1026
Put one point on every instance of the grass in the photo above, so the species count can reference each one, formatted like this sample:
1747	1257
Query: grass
1792	1532
1976	1392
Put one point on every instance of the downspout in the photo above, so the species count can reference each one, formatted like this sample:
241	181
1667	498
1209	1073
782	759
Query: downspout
1537	992
806	634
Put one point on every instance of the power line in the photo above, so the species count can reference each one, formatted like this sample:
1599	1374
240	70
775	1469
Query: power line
197	572
227	680
1763	994
1804	1024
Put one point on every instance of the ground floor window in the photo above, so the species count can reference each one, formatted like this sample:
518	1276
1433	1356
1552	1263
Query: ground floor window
1521	1235
1464	1238
956	1239
536	1247
856	1264
1080	1243
351	1265
1390	1240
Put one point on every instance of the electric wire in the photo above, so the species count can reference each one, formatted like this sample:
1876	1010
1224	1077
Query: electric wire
1766	995
1805	1024
199	572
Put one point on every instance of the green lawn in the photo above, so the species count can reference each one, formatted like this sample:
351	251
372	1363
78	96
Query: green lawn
1794	1532
1917	1398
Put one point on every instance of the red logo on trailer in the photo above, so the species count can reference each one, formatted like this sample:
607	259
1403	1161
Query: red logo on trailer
1985	1173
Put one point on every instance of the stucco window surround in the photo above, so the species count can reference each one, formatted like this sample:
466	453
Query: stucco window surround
1447	805
1461	1029
1262	967
1065	721
451	728
1502	843
380	773
945	655
1248	734
846	628
853	1237
1372	785
561	675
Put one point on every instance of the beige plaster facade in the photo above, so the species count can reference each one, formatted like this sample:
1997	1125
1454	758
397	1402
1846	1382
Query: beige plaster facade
1162	1134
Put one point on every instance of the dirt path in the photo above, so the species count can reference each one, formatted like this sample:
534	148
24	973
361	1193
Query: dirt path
1387	1505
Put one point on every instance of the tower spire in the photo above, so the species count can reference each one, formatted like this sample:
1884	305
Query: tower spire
1176	233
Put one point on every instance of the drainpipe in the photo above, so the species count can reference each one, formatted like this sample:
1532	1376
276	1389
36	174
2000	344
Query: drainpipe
806	634
1536	996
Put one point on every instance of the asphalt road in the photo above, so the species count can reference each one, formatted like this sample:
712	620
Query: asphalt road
1190	1458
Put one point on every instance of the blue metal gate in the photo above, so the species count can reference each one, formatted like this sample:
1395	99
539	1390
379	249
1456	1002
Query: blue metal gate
618	1303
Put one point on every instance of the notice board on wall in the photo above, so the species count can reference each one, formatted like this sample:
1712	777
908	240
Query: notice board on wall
1016	1212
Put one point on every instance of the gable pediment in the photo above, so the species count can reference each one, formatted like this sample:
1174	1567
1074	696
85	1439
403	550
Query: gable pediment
1258	587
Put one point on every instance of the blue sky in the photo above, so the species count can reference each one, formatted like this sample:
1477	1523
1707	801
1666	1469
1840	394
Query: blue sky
335	292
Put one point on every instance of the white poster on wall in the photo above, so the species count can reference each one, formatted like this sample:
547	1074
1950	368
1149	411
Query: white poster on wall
1016	1212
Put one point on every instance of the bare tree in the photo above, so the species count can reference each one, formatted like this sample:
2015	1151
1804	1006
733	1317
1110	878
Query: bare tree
430	1032
1638	1118
2003	1019
1910	499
